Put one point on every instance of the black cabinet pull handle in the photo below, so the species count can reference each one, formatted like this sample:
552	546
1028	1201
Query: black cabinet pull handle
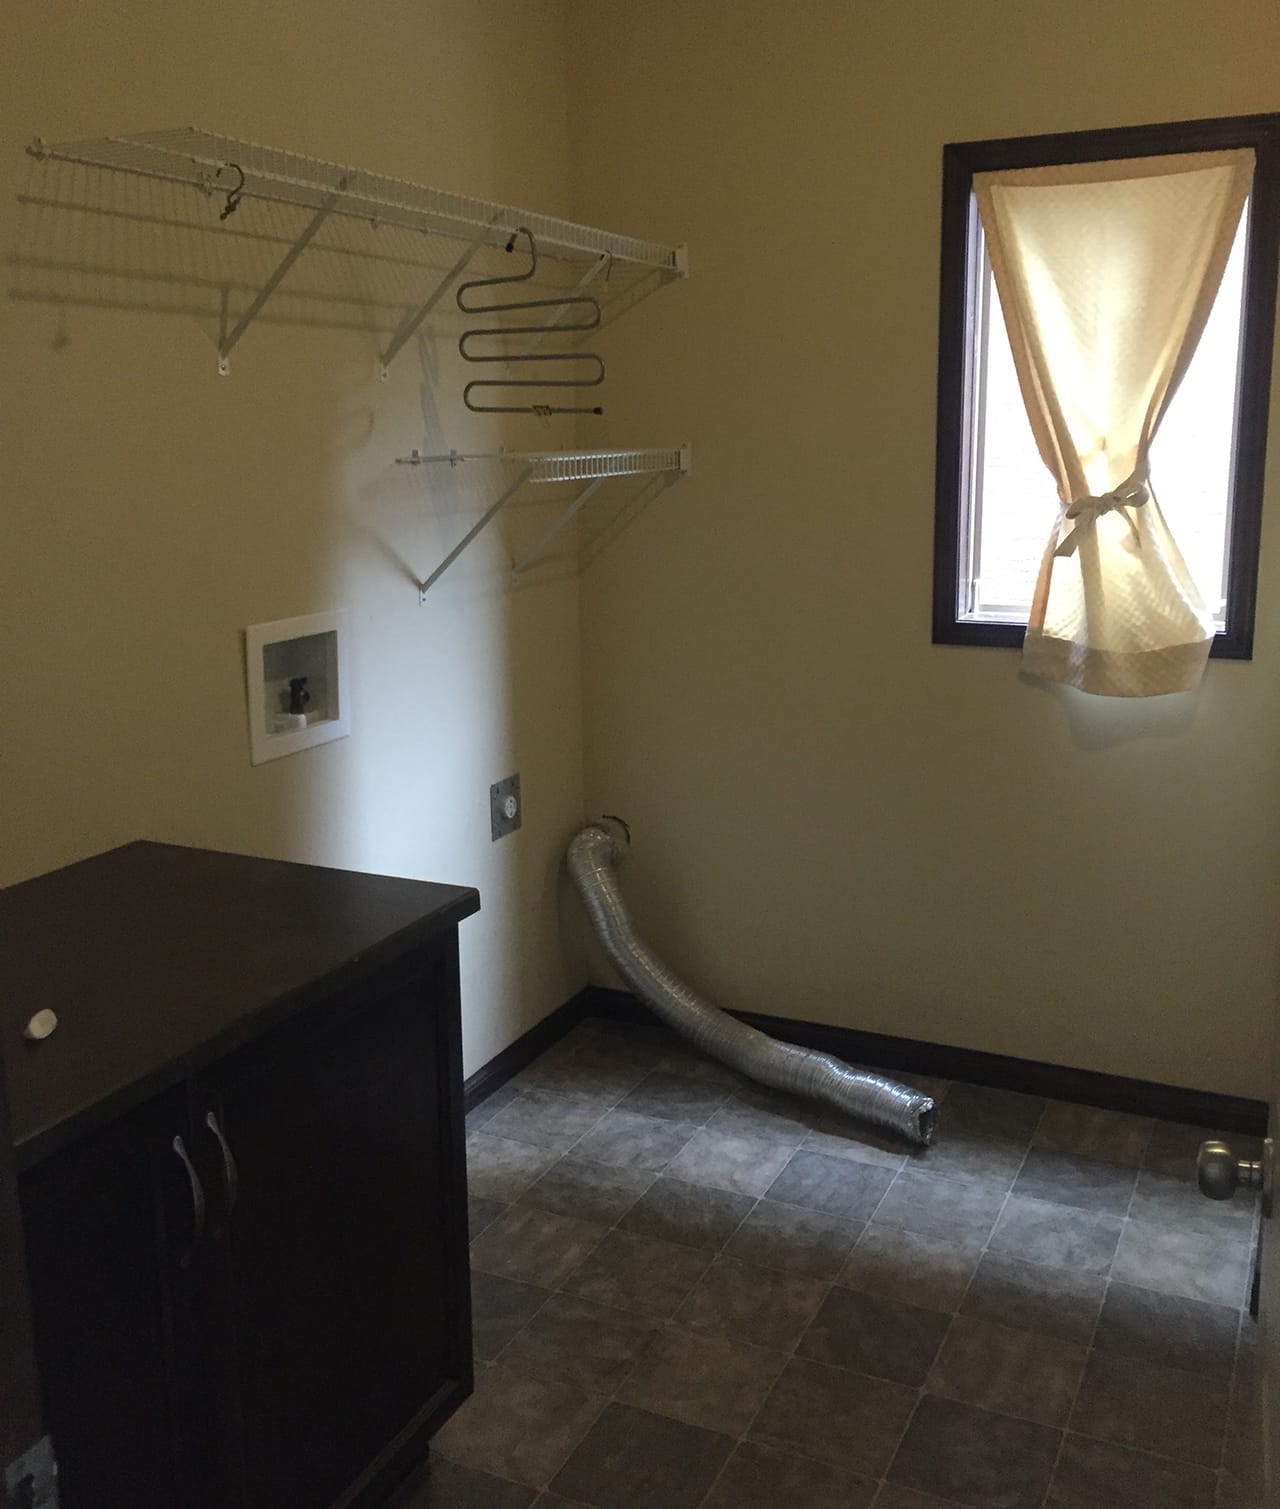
197	1202
230	1172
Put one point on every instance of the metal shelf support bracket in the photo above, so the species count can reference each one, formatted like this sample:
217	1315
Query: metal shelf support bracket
491	512
548	535
228	342
409	325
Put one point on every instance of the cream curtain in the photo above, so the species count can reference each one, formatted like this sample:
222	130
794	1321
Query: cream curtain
1106	273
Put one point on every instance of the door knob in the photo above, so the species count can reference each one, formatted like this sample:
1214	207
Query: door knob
1220	1173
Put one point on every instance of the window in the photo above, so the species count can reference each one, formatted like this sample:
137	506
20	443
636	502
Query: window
997	503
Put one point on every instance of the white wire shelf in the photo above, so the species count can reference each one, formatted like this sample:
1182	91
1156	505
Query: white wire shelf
592	467
225	168
569	466
200	159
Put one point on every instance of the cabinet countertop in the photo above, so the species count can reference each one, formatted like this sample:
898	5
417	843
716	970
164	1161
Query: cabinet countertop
159	960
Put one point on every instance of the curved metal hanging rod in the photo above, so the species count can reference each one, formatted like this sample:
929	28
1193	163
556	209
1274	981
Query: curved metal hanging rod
560	305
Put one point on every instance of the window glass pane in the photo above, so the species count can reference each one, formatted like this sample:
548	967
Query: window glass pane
1017	499
1191	454
1014	500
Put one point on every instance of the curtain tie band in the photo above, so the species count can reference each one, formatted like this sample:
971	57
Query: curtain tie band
1132	493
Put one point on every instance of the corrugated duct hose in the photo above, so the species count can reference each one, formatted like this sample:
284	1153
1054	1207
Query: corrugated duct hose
593	851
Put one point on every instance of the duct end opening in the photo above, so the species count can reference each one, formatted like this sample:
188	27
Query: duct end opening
927	1121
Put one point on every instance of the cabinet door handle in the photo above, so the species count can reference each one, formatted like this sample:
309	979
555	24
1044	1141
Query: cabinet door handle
230	1172
197	1202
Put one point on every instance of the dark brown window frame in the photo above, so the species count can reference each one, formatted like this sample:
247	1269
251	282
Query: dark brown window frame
960	161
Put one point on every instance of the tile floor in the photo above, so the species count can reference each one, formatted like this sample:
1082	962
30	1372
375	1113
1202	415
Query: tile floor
691	1294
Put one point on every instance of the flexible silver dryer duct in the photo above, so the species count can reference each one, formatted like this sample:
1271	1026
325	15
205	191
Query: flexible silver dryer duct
592	852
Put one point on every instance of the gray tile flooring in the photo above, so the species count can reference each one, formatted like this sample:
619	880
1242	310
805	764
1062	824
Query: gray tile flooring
691	1294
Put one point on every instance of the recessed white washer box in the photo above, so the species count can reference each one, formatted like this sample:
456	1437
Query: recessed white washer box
311	651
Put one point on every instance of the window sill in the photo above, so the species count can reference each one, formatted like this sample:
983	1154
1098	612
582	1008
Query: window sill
1225	646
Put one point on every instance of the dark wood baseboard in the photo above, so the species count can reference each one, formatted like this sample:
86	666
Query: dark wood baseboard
877	1050
520	1054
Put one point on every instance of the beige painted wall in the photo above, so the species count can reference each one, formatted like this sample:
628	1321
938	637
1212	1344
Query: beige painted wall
833	818
153	509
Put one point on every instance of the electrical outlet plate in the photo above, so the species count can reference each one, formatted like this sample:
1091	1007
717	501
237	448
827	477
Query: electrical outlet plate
504	807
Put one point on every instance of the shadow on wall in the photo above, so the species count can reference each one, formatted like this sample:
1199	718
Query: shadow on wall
1097	723
106	240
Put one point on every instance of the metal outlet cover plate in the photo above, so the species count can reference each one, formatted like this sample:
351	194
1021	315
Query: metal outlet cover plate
505	807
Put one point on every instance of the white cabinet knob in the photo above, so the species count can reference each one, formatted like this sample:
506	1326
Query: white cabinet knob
41	1026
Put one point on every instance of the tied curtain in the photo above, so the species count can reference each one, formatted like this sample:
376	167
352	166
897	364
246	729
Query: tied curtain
1106	273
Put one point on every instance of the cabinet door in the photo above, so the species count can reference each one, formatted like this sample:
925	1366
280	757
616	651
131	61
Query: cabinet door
22	1415
348	1310
98	1220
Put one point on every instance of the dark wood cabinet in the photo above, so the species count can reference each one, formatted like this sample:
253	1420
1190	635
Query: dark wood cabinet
26	1454
248	1273
98	1221
335	1125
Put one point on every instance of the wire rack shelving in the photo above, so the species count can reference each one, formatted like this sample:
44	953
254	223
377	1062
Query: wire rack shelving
594	468
229	171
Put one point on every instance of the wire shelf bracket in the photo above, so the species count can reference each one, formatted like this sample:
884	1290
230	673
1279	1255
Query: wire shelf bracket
411	322
594	468
203	161
228	342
